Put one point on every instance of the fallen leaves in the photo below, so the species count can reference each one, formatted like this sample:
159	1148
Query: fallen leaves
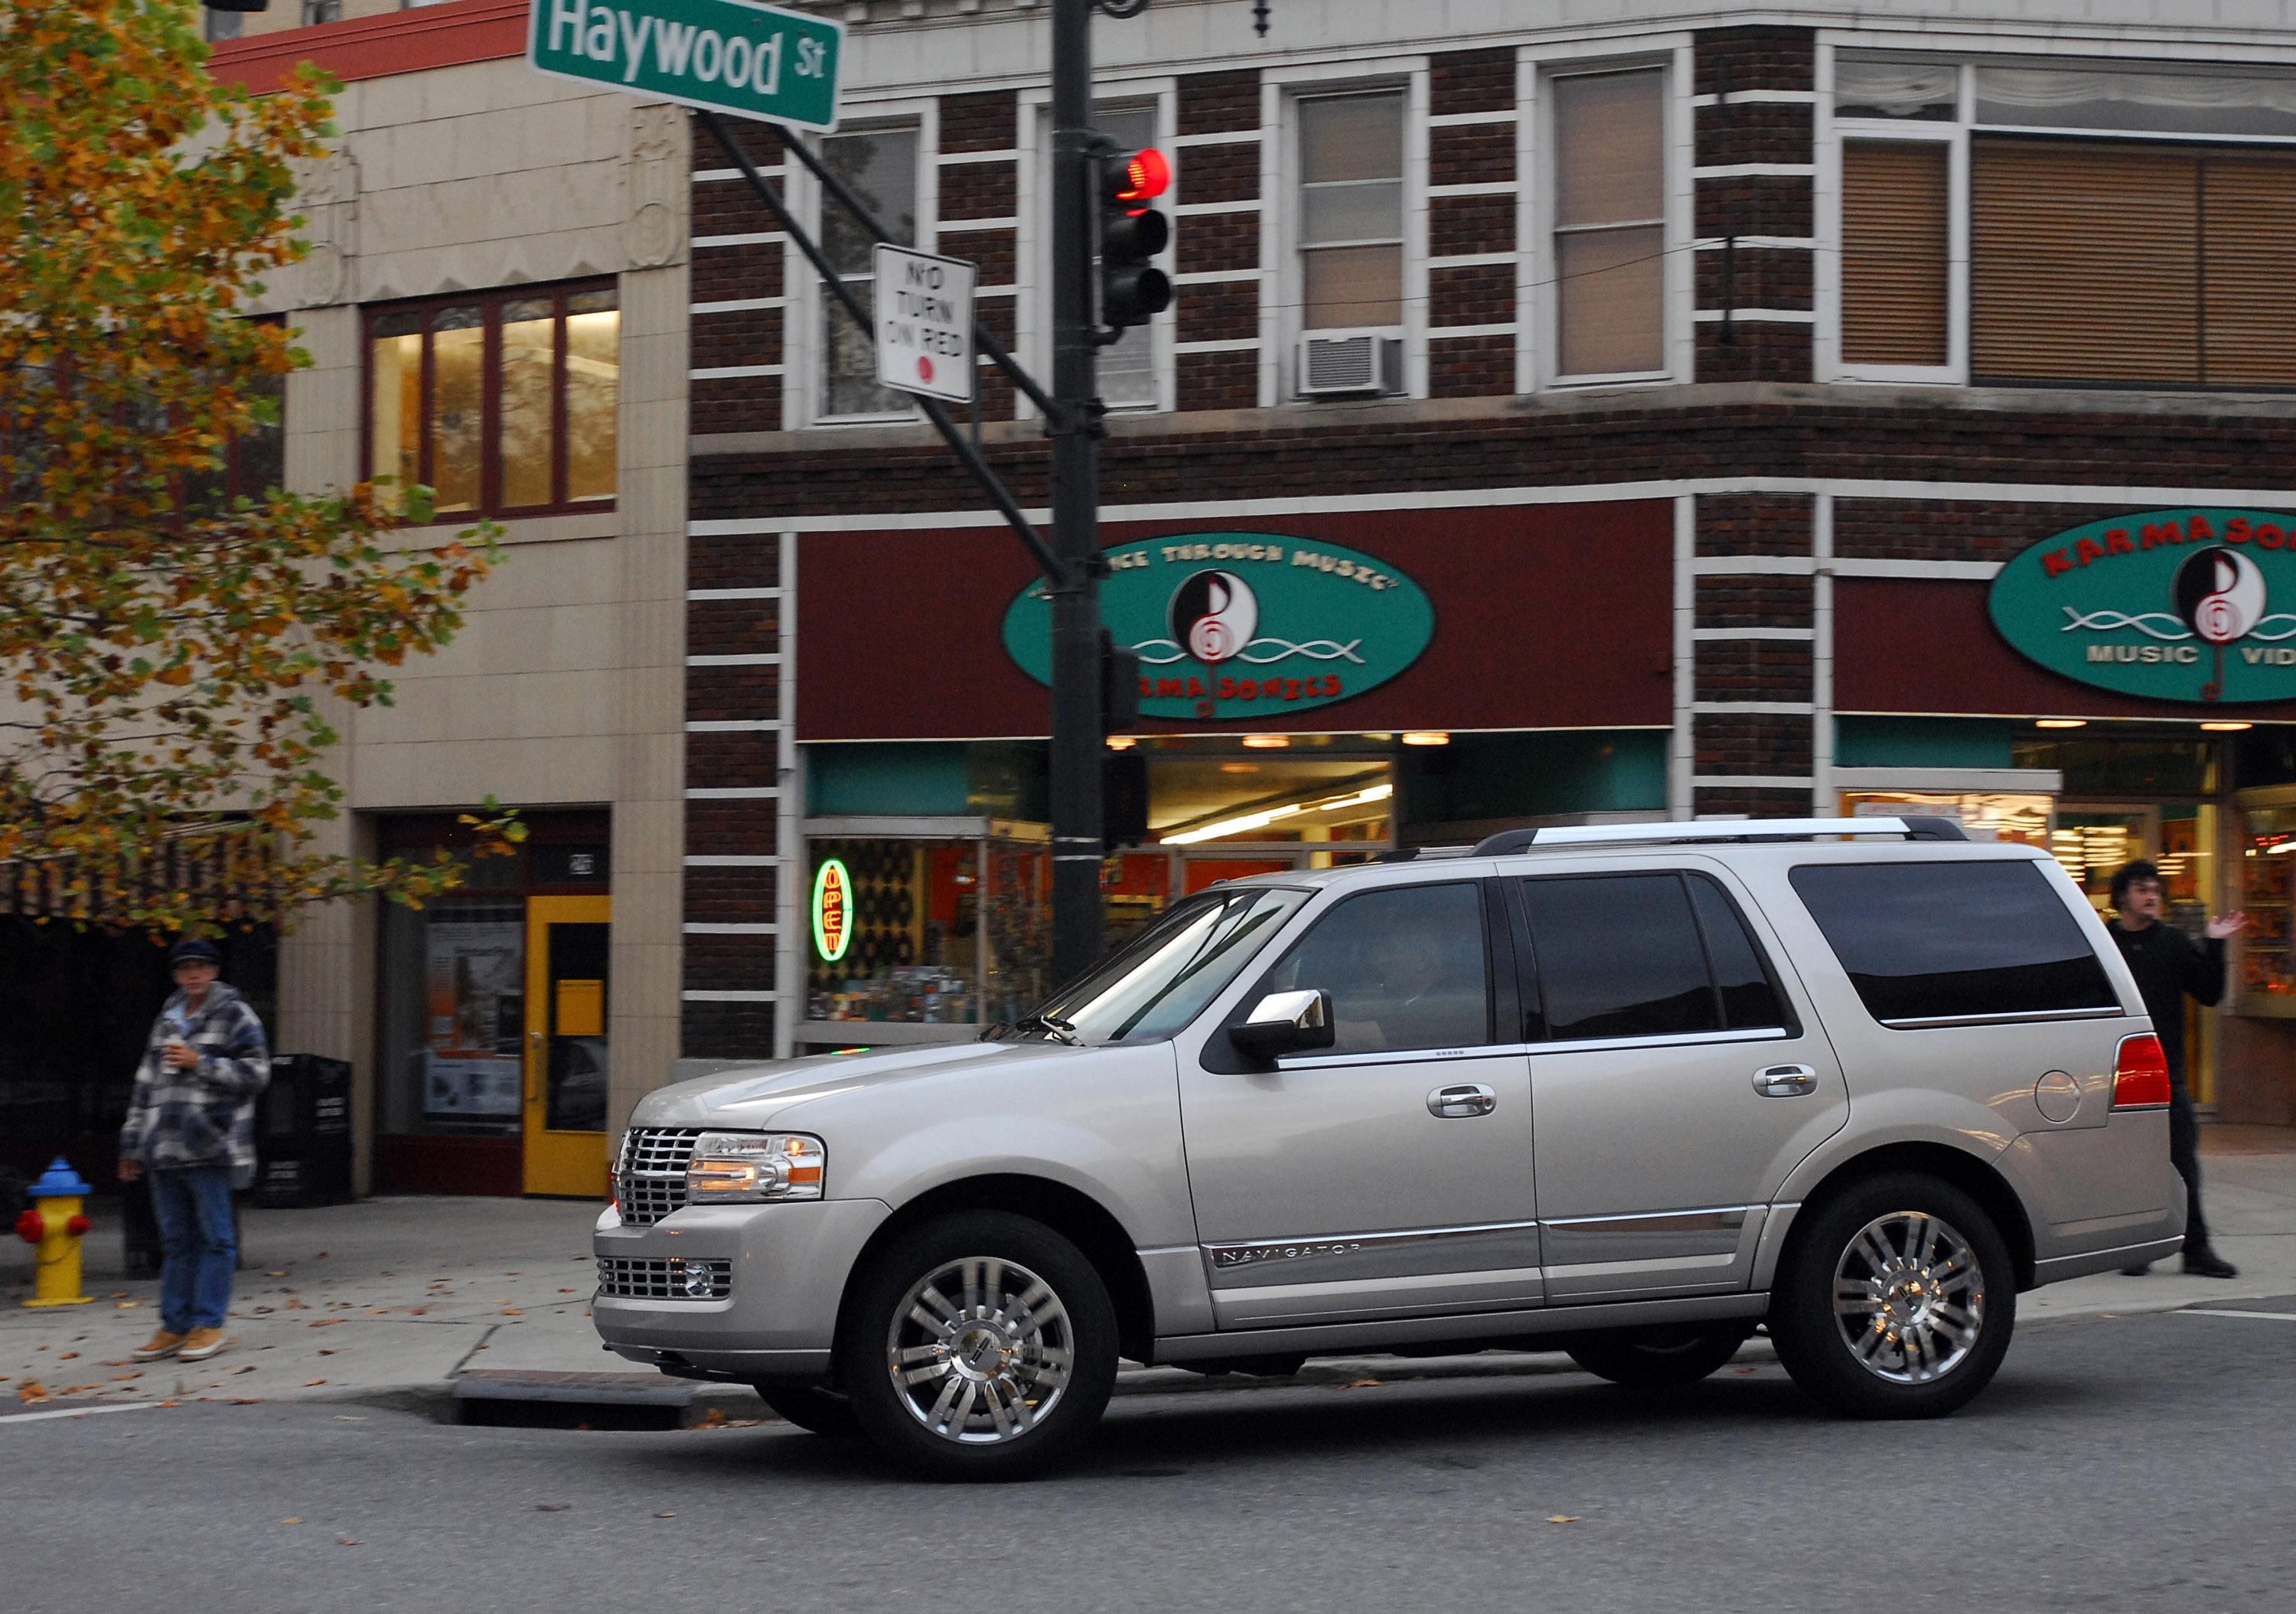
291	1521
1562	1519
665	1515
68	1356
552	1507
1363	1384
31	1390
313	1383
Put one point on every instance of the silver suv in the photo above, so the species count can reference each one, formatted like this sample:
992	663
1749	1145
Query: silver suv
1627	1092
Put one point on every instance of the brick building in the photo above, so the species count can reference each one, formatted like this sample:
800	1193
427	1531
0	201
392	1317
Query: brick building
1567	411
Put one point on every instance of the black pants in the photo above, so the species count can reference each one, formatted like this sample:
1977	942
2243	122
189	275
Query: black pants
2184	1150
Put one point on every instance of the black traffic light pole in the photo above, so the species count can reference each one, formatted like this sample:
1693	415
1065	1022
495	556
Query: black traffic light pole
1075	425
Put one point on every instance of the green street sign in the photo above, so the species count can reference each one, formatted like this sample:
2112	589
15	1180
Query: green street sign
1241	625
722	55
2190	604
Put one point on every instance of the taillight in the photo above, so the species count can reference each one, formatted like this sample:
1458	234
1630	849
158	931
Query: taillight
2140	1074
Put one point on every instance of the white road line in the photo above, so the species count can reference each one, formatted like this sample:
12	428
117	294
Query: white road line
77	1412
2264	1316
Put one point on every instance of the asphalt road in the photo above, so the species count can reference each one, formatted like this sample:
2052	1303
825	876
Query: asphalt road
2117	1462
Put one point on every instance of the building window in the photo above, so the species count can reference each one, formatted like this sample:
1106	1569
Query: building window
1610	223
316	11
881	165
2130	264
1351	211
215	27
2064	224
500	403
1896	224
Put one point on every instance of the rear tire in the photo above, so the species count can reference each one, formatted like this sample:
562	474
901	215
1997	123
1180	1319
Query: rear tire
1658	1358
813	1409
1895	1300
980	1346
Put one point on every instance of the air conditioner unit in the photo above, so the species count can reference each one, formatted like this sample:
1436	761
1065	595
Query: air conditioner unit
1335	363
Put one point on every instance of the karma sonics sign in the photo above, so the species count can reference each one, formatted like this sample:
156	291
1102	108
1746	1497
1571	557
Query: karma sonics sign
2194	605
1238	625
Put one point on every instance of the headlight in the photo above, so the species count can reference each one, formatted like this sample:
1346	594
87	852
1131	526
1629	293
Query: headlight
746	1167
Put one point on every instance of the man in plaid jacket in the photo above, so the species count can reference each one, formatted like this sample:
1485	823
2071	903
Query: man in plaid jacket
191	1124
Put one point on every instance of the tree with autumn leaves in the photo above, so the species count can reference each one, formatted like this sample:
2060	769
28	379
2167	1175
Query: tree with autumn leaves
168	652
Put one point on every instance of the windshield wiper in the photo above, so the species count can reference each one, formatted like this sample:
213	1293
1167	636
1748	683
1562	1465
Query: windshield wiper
1052	1026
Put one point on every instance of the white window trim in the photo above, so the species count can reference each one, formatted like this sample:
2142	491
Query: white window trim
1281	290
1538	362
1032	264
803	338
1830	132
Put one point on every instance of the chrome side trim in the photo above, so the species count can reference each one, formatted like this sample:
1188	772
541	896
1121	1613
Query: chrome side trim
1251	1252
1673	1039
1722	1218
1933	1022
1401	1056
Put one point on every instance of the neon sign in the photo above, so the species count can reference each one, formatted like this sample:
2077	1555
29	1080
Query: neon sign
833	910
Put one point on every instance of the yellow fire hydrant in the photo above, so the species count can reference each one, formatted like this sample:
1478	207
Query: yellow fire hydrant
56	1224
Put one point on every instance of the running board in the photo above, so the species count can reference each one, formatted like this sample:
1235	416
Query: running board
1350	1337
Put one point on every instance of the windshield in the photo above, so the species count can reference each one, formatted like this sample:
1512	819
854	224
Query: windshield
1165	978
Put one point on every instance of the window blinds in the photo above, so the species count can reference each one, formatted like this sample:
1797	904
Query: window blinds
2132	264
1894	234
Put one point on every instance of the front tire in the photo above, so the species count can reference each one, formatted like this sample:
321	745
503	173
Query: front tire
980	1346
1896	1301
1658	1358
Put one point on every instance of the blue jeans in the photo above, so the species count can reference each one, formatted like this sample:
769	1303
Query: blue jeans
198	1245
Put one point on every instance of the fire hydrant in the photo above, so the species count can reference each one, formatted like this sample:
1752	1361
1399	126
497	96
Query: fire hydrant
56	1225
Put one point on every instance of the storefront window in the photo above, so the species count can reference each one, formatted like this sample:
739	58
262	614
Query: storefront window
949	931
1983	814
2267	884
455	1026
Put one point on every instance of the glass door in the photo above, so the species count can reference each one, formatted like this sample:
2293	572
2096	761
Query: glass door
566	1063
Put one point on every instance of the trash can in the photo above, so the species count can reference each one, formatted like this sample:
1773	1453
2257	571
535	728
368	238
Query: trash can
303	1134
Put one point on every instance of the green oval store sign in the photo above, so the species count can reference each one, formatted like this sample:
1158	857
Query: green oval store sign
2194	604
1240	625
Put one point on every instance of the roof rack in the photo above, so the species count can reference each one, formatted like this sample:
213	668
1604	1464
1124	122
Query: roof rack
1911	827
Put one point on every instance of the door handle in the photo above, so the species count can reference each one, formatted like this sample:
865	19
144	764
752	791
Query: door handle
1456	1103
1785	1081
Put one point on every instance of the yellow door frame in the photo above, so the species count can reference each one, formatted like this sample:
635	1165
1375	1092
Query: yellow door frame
572	1164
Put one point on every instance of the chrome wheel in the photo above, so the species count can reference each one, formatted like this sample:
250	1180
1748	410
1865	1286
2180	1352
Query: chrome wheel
981	1350
1909	1298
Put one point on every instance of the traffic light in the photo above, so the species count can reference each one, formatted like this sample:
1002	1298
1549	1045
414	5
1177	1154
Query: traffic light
1132	290
1120	685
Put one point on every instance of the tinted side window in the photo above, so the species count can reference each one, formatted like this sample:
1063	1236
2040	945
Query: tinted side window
1750	998
1620	955
1941	940
1406	967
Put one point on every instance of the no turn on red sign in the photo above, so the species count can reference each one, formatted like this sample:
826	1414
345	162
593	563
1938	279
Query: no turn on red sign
925	323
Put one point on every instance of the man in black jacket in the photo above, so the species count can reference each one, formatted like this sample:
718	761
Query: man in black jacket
2169	966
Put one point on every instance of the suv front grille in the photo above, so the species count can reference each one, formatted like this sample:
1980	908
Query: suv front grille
650	1178
664	1278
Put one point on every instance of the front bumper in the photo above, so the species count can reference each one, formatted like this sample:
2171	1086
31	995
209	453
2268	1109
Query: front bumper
790	1267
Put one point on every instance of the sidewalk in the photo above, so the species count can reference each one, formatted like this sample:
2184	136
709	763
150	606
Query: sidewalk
403	1295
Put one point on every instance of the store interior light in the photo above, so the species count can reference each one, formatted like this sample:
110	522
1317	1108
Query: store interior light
1265	742
1121	743
2061	723
2225	728
1427	737
1244	823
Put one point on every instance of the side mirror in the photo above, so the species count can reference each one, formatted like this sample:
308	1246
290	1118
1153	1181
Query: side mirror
1285	1022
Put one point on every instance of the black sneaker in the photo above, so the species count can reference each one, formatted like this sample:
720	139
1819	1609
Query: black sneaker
2140	1270
2208	1264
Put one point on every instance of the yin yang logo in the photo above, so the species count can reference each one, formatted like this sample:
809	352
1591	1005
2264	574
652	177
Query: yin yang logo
2220	592
1214	614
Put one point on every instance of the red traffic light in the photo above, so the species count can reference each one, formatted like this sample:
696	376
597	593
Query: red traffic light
1141	178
